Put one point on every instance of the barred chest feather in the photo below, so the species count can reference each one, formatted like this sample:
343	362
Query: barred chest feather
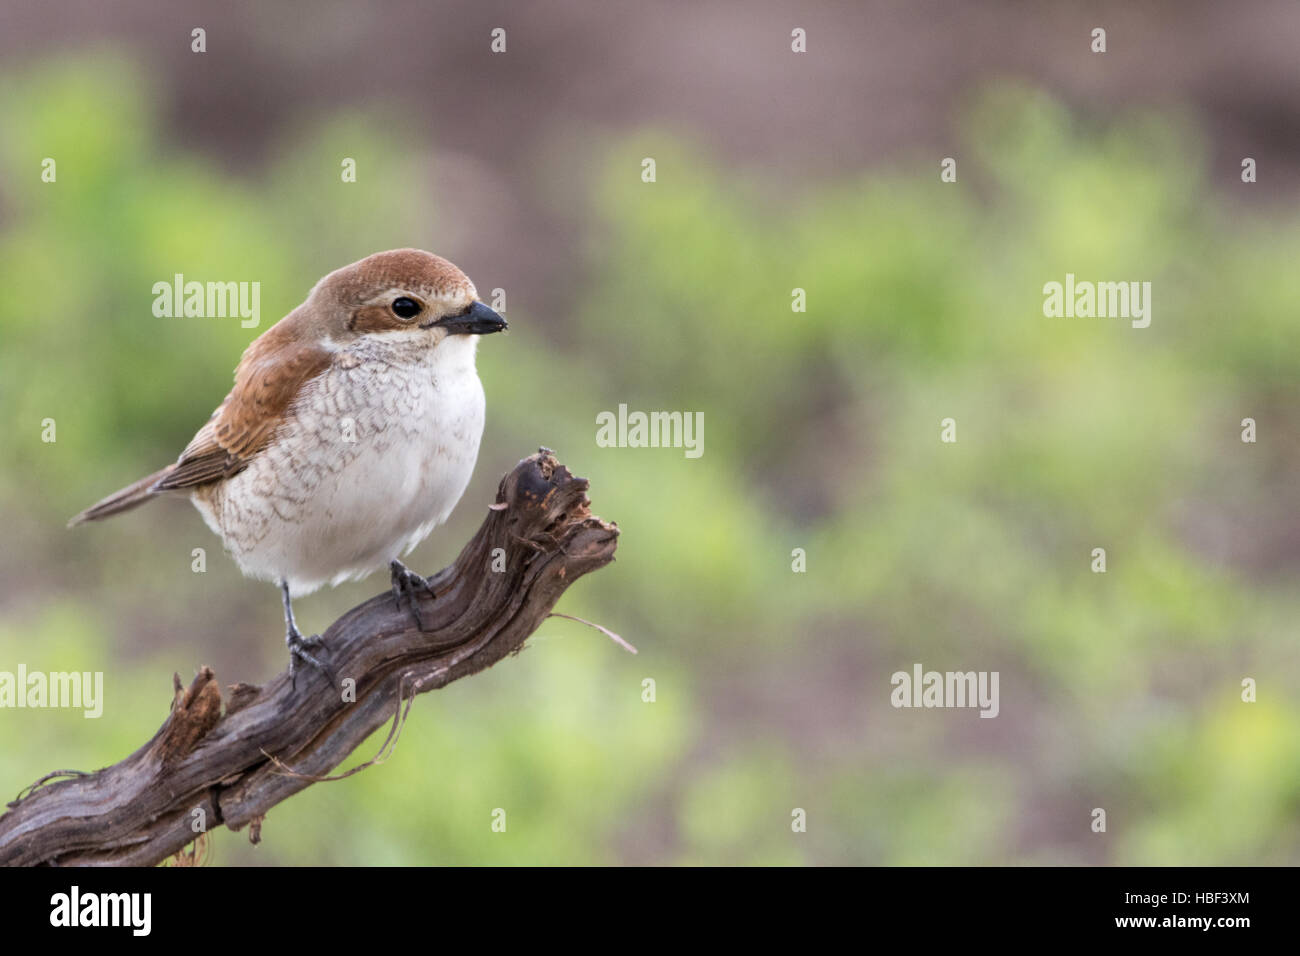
380	448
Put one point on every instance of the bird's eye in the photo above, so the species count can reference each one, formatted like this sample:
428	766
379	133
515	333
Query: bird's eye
405	308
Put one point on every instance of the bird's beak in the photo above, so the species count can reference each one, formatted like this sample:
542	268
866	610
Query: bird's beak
478	319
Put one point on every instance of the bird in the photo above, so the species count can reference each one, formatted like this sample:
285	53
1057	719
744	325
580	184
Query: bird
351	432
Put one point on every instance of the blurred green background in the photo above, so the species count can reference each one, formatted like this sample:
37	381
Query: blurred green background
1118	690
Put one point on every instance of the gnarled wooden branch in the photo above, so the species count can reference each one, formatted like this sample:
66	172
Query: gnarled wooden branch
270	742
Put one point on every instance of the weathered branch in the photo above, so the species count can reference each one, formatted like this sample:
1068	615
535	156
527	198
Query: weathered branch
270	742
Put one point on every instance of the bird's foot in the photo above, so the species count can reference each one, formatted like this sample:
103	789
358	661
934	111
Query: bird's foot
408	585
300	649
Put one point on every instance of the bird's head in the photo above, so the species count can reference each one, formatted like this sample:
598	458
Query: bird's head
407	293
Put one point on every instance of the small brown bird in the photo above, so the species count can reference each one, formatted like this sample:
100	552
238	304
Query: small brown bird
351	432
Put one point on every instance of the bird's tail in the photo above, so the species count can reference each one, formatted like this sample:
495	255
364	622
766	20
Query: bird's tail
129	497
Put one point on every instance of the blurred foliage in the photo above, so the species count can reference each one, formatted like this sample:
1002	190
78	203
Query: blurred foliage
822	432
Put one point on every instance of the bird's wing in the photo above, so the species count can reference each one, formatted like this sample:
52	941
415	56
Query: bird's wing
269	378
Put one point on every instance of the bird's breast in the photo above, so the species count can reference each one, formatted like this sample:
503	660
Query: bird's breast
375	454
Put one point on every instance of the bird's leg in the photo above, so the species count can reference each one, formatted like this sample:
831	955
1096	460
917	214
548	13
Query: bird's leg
407	584
299	645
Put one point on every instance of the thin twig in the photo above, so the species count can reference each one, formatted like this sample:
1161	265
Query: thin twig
604	630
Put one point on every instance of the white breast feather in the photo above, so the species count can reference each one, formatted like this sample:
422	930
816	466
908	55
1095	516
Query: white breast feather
378	453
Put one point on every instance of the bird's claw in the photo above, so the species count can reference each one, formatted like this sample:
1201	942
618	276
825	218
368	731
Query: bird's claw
407	585
299	650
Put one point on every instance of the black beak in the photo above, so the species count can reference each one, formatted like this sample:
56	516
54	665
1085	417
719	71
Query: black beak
478	319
